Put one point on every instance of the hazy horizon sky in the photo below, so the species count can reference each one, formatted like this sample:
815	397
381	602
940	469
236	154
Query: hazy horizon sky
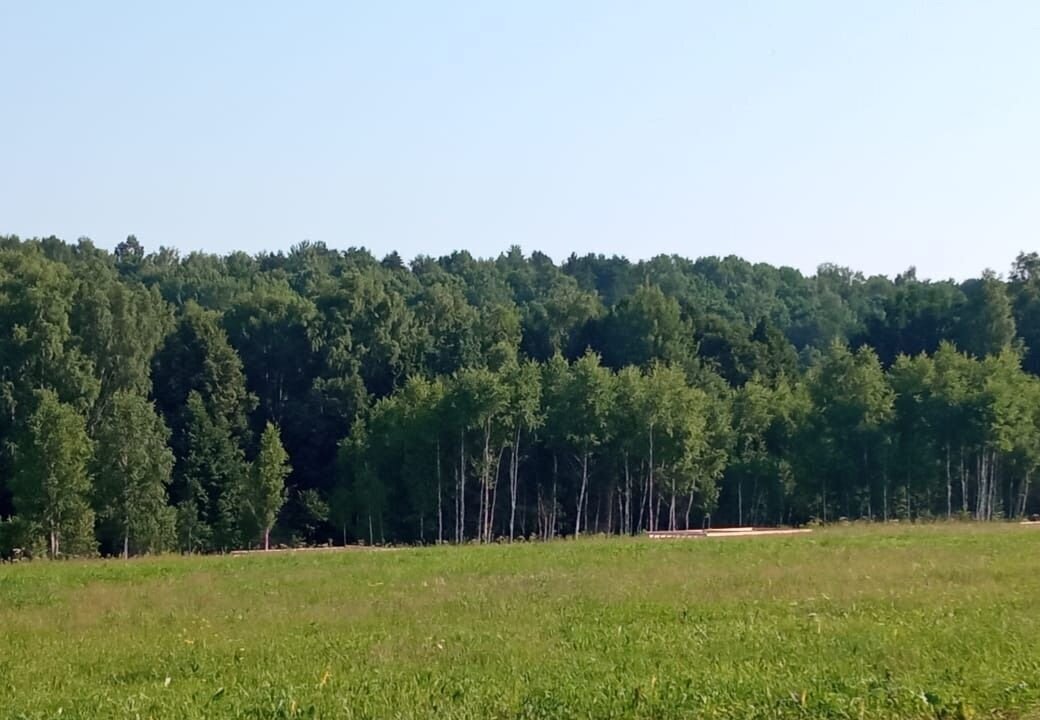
874	135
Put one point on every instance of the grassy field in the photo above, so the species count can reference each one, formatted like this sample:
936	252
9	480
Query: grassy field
928	622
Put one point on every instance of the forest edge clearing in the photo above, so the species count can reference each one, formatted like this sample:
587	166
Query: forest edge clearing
716	533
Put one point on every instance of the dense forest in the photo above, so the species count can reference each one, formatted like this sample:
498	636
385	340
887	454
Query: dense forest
151	401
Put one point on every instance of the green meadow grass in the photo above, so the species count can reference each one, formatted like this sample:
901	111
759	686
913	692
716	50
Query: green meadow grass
880	622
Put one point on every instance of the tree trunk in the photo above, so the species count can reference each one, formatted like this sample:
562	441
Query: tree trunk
885	500
267	538
964	483
643	497
993	465
1024	496
494	495
1009	500
652	520
740	503
585	515
581	493
552	508
949	485
980	484
52	543
552	516
485	481
480	508
514	472
440	506
757	504
524	517
627	512
823	496
884	489
460	514
867	484
543	514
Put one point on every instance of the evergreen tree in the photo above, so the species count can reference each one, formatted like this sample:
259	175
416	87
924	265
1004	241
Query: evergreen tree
987	325
212	479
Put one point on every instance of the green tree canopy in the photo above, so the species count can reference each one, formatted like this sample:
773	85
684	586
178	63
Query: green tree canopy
52	482
133	466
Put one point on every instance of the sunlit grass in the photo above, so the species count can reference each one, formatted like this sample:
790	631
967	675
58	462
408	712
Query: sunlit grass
934	621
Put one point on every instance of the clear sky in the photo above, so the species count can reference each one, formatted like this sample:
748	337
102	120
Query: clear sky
875	134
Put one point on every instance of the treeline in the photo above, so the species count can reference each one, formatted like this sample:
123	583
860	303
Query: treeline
152	402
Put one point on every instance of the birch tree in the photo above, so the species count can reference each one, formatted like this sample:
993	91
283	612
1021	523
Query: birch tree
584	416
523	415
52	483
133	465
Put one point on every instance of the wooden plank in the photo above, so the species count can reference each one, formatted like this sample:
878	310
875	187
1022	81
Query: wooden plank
725	533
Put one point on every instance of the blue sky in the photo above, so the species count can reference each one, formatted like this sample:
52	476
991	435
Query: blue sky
876	135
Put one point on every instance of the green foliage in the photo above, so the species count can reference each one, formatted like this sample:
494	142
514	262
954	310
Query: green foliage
120	326
198	359
193	534
311	511
51	484
133	466
648	326
38	348
460	398
987	325
265	492
212	478
851	406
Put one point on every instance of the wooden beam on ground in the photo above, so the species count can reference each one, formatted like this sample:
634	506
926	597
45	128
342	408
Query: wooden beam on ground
724	533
